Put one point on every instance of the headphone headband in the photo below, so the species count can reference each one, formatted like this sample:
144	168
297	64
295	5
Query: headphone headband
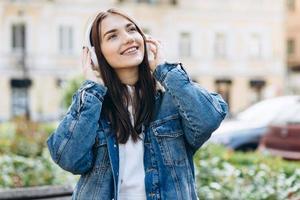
88	42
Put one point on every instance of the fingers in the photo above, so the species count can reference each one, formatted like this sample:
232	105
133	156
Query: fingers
155	46
84	53
90	71
83	56
86	58
152	48
154	41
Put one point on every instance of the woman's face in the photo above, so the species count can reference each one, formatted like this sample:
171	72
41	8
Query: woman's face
121	44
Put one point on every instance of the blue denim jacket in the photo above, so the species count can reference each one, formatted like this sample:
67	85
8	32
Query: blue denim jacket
185	117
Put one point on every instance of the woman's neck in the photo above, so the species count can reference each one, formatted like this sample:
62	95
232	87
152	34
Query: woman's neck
128	76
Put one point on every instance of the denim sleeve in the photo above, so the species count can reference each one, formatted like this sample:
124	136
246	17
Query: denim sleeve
201	112
71	143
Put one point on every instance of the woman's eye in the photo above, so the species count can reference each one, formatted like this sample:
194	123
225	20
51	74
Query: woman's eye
112	36
132	29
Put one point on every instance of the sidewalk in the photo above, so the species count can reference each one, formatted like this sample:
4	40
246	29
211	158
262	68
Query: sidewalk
42	192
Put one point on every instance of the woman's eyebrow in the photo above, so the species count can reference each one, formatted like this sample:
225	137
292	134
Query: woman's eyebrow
129	24
114	30
110	31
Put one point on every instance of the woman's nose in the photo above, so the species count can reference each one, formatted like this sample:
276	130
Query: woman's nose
128	38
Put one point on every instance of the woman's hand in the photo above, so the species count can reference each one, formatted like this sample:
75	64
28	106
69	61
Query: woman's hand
156	49
90	72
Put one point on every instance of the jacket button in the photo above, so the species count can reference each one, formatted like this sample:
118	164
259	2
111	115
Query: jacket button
115	145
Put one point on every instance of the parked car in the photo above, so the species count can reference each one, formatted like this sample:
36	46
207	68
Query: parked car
284	139
244	131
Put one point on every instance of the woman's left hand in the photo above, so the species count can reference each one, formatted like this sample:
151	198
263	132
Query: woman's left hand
156	49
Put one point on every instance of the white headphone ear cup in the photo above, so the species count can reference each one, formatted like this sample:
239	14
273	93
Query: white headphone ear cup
88	44
94	56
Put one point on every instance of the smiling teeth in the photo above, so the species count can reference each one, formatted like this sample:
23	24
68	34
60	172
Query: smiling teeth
130	50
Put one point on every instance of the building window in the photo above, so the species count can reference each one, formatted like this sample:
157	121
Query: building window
60	83
220	45
290	46
185	44
66	39
19	97
257	86
291	5
169	2
174	2
18	37
255	46
147	1
223	87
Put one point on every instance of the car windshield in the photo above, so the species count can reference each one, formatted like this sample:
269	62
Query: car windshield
269	110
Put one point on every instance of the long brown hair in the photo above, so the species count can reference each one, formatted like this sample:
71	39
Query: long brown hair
117	97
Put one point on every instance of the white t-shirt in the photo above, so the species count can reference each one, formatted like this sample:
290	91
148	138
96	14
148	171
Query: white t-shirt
131	165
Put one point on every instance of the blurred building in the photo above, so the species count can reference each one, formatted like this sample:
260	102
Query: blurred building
236	48
293	45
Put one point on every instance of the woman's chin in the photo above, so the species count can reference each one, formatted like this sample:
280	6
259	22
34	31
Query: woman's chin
132	63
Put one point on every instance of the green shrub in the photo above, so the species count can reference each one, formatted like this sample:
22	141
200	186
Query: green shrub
70	88
23	137
7	133
19	171
220	173
224	174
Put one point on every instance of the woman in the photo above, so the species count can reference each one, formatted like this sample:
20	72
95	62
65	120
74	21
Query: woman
125	136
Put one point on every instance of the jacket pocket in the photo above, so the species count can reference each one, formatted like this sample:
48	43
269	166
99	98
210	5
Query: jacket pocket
170	139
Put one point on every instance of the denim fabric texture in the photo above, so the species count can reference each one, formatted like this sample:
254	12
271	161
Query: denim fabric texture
185	117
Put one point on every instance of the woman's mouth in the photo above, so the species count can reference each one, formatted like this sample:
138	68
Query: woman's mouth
130	51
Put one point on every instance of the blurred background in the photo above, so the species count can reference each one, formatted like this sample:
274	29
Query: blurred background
246	50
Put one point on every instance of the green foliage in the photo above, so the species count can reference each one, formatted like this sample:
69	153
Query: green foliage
220	173
20	171
70	89
7	132
24	159
23	137
224	174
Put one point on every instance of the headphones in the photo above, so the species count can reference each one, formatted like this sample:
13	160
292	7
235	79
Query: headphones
88	43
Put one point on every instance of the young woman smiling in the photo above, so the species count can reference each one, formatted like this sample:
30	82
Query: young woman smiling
135	123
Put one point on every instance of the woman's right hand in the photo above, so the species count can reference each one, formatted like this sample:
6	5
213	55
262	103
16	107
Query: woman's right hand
89	70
